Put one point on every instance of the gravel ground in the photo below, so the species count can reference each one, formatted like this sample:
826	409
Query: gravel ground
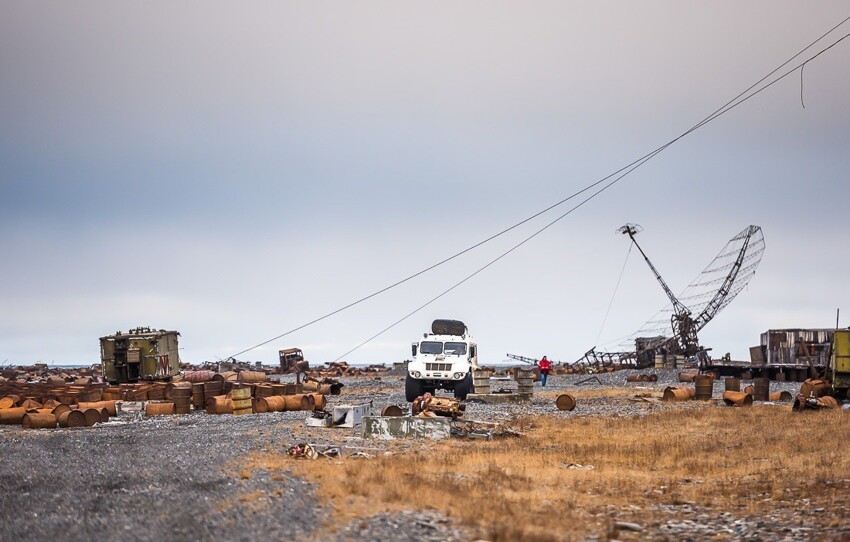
177	478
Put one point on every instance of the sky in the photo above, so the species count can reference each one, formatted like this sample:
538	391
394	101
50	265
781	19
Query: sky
235	170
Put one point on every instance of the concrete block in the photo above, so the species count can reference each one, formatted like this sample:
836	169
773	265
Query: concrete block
392	427
350	415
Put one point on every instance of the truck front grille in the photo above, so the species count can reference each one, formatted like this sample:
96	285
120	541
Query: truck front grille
438	366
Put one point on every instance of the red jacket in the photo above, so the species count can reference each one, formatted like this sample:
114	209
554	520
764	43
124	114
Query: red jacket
545	365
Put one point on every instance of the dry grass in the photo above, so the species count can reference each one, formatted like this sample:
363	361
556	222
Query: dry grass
744	461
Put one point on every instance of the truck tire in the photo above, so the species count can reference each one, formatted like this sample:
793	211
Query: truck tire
412	389
464	387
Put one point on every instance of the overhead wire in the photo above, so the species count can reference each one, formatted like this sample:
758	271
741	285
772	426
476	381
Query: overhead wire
735	102
516	225
616	287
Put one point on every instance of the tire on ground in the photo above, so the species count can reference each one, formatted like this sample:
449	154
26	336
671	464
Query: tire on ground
412	388
464	387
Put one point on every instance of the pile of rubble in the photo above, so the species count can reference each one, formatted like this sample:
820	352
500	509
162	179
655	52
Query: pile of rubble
337	369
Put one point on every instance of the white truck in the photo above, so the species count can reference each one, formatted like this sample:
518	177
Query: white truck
443	359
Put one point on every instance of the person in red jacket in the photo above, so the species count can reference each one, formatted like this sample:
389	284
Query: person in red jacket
545	366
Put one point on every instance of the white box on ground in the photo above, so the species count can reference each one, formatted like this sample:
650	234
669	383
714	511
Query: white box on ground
350	415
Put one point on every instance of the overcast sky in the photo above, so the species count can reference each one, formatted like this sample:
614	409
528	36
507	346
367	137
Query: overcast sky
234	170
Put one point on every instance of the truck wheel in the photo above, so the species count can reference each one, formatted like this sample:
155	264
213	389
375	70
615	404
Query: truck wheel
412	389
464	387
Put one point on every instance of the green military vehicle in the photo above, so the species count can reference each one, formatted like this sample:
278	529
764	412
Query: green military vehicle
140	354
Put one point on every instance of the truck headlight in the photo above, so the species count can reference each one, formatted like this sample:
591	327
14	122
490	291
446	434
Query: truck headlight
415	374
458	376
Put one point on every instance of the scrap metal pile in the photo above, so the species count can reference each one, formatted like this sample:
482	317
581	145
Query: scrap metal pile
336	369
429	406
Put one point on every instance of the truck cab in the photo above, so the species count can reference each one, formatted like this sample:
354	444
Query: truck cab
443	359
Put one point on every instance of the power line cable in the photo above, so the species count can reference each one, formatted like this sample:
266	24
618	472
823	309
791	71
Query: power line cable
616	287
723	110
535	215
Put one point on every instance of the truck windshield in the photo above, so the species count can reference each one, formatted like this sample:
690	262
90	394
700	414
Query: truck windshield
430	347
457	349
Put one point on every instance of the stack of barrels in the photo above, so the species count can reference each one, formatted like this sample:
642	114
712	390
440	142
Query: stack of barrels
525	381
241	399
32	414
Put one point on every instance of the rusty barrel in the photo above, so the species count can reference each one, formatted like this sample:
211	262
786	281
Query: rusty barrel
319	401
72	418
30	404
241	399
59	409
252	376
298	401
213	388
263	390
525	381
164	408
565	401
633	378
828	402
687	377
733	384
92	416
91	395
392	410
672	394
815	387
272	403
704	387
749	389
219	404
224	376
736	398
198	377
781	396
181	395
761	389
198	397
279	389
39	421
12	416
110	406
9	401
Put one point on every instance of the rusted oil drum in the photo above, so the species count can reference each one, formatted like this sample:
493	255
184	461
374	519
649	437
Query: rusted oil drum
159	409
565	401
828	402
704	387
392	410
39	421
687	377
112	394
90	395
30	404
157	392
12	416
219	404
319	401
182	405
56	380
279	389
108	405
92	416
633	378
9	401
104	414
761	389
263	390
272	403
781	396
72	418
733	384
241	400
815	387
298	401
672	394
652	377
198	397
736	398
198	377
213	388
252	376
749	389
51	404
59	409
224	376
